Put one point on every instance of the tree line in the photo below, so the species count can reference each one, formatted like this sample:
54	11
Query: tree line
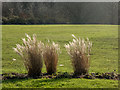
59	12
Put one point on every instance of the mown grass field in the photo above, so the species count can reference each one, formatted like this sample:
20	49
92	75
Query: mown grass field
104	55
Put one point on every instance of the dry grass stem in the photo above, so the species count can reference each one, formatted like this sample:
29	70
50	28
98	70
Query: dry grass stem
31	52
79	51
50	55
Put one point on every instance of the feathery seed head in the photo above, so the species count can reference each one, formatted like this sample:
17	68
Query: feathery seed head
31	52
79	51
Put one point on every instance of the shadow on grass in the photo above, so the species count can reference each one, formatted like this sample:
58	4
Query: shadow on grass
38	83
38	80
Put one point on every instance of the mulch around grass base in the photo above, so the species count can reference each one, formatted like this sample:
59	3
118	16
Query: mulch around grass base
59	75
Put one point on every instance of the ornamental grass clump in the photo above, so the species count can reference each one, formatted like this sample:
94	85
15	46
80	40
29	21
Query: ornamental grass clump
50	56
31	53
79	51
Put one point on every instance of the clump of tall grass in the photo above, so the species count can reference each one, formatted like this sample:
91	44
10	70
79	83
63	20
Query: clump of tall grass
50	56
31	53
79	51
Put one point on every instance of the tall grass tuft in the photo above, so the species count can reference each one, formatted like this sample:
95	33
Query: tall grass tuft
79	51
50	56
31	53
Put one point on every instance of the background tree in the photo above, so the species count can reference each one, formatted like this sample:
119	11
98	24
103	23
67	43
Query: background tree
59	12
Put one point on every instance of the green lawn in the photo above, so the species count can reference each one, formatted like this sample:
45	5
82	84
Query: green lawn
104	55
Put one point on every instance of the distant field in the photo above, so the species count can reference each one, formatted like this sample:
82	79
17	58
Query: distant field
104	55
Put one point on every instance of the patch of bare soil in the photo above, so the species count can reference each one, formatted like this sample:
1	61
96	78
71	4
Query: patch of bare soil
59	75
